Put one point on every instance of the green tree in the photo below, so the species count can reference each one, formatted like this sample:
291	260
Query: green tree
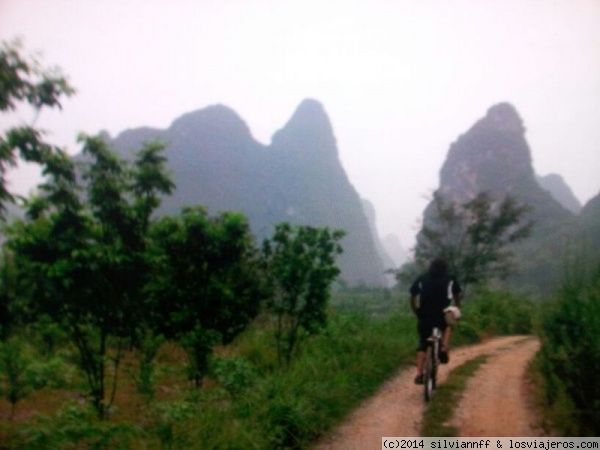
150	182
8	296
81	257
14	385
205	283
474	238
300	267
24	81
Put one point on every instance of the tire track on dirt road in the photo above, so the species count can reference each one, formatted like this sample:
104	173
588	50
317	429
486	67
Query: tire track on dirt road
397	408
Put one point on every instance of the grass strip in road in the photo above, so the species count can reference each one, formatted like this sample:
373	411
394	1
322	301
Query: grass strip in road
441	407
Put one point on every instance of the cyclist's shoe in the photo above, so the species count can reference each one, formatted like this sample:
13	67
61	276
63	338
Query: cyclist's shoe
444	357
419	379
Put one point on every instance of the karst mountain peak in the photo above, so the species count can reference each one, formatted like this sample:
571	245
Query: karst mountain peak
298	178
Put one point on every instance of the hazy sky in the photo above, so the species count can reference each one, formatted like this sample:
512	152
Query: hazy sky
400	80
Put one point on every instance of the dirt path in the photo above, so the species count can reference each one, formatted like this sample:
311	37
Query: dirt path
495	402
396	410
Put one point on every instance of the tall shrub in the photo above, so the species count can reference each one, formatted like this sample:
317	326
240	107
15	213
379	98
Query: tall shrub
300	266
570	358
204	286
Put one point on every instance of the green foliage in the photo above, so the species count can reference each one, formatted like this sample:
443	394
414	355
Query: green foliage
374	302
474	238
342	368
24	370
13	366
147	346
235	373
24	81
11	302
254	405
150	181
570	355
47	335
300	267
50	372
489	312
81	260
74	426
169	424
330	376
205	285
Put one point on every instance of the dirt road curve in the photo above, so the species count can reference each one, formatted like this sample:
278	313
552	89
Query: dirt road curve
495	401
493	404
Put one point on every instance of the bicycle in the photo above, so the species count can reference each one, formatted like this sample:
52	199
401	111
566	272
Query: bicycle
431	363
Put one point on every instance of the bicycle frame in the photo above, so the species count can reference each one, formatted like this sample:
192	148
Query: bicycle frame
431	363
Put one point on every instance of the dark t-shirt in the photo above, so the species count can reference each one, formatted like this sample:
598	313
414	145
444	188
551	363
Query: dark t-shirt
435	293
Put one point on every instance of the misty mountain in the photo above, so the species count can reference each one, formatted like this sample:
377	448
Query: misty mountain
388	262
369	211
394	248
561	192
494	156
298	178
590	219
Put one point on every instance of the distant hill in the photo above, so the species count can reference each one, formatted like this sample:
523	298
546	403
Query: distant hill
394	248
494	156
590	218
298	178
388	262
561	192
369	211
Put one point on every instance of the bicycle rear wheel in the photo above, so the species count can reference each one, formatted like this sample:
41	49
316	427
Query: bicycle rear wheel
429	375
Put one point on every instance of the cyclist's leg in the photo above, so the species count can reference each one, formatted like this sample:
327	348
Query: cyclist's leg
445	341
424	328
420	363
446	338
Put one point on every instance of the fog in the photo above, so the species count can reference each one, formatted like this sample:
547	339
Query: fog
399	80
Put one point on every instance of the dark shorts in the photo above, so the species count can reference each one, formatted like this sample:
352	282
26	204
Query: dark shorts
425	326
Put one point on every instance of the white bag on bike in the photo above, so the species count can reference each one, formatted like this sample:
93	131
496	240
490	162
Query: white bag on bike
452	315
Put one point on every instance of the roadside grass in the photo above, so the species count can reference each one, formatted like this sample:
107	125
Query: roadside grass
329	377
441	407
569	360
373	302
488	313
551	418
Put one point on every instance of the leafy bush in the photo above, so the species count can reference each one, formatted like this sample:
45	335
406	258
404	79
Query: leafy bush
374	302
23	370
74	426
170	418
235	373
489	313
570	356
331	374
205	285
52	372
13	366
300	267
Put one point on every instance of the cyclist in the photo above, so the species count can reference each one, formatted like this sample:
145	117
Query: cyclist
431	293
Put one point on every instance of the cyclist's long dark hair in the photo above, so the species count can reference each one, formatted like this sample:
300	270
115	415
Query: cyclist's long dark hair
438	268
